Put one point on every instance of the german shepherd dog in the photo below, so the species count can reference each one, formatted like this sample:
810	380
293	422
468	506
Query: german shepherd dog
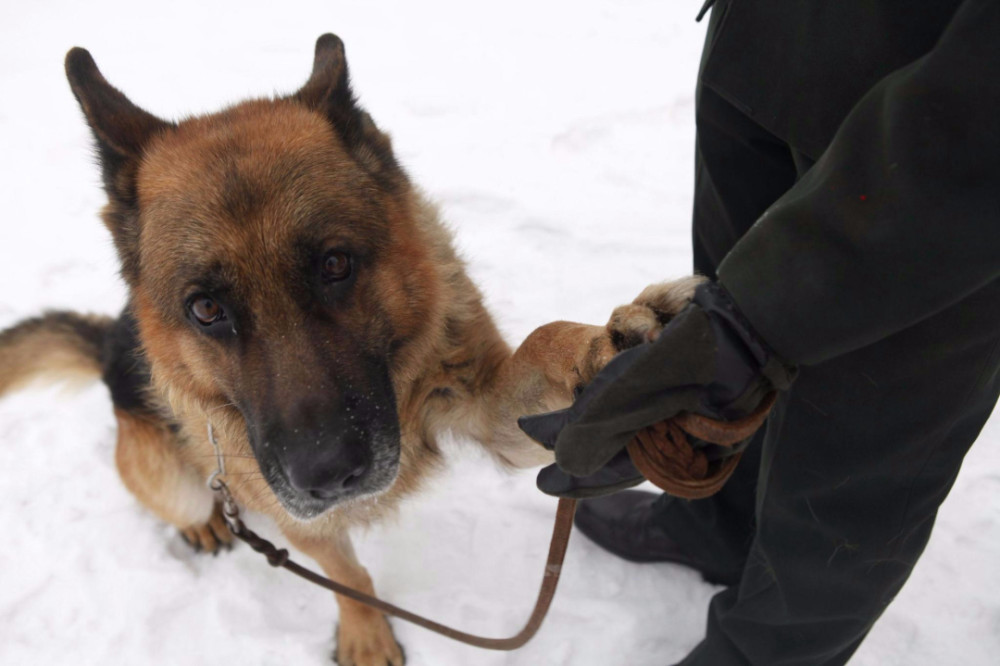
290	286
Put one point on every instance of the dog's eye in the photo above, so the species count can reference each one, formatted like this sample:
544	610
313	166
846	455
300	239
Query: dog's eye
206	309
336	265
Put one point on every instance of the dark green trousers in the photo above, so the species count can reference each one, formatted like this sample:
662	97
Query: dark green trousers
834	502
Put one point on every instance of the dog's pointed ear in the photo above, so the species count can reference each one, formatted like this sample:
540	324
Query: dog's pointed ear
328	91
328	85
120	128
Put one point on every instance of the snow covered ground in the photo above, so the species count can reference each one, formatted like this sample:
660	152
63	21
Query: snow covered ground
558	138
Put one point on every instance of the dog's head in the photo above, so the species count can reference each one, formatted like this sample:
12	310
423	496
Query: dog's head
274	265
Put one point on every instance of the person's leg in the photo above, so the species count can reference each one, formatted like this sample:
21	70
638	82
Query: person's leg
857	458
720	529
740	170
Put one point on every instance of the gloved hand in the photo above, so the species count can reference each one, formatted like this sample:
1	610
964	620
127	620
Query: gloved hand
707	360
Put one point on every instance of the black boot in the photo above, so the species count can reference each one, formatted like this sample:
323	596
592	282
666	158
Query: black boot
626	524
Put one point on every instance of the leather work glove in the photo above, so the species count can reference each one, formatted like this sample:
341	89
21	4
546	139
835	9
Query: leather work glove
707	361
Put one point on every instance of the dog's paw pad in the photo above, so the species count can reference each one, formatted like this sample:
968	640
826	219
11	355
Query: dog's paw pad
667	299
631	325
211	536
368	643
642	320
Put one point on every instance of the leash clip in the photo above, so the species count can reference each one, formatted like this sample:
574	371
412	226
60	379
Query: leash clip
230	512
214	482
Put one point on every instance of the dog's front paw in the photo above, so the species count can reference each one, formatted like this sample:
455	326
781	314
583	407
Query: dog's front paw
210	536
637	323
365	639
642	320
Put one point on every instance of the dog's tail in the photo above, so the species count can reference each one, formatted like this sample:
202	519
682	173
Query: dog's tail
58	346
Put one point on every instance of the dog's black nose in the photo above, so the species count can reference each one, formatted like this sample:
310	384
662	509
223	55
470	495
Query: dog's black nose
327	481
321	449
325	463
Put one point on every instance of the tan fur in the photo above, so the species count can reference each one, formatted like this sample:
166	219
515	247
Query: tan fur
669	298
151	465
641	320
364	635
49	349
238	189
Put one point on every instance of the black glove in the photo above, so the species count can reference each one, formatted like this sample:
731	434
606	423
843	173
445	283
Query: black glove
707	360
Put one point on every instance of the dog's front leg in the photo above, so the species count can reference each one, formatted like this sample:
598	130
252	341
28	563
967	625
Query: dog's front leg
364	637
151	465
556	359
539	376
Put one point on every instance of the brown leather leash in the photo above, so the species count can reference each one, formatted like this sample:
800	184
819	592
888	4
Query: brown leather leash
278	557
662	453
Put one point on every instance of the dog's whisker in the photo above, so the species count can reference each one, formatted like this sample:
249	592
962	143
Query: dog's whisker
260	493
227	456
